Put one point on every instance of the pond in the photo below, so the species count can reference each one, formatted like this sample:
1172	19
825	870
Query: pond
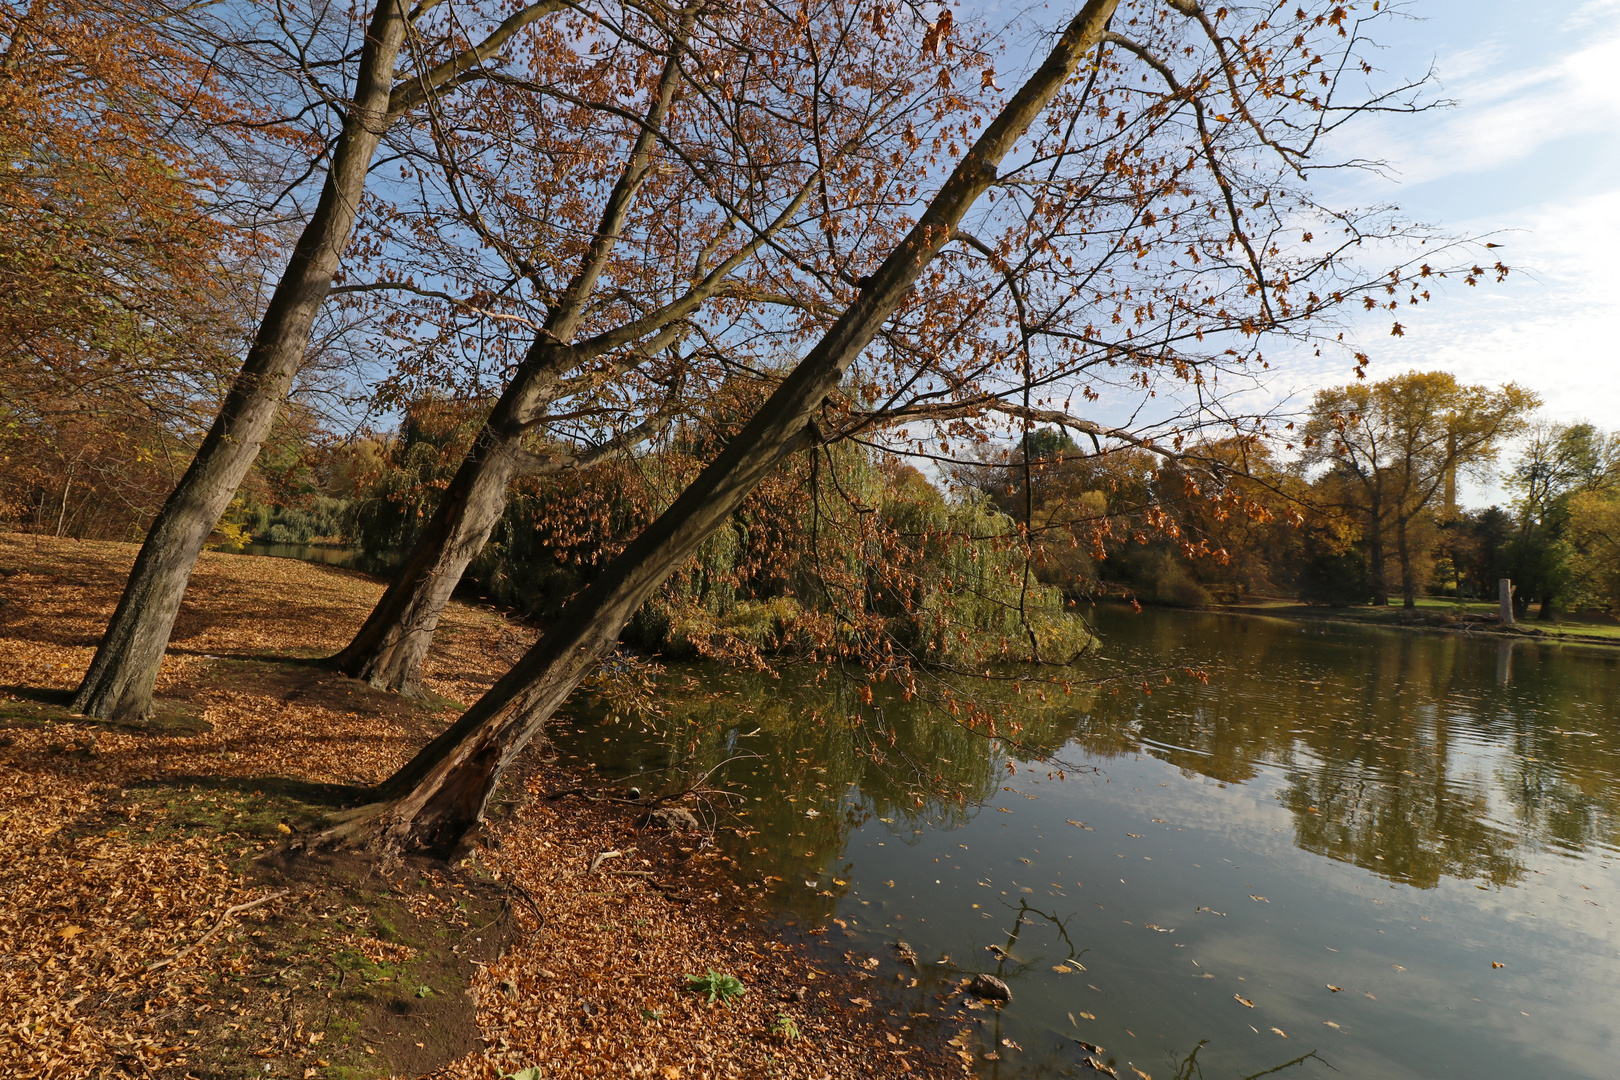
325	554
1353	852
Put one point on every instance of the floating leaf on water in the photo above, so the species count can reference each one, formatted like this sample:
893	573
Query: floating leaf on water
1082	1044
1332	1025
1262	899
1062	969
1367	995
1087	1016
1245	1002
1497	964
1140	1073
1397	967
1335	989
1280	1031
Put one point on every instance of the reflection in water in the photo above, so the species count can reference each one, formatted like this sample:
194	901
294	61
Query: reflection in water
1167	858
325	554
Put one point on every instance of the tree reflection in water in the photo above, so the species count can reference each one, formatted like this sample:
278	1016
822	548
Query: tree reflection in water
1410	757
1377	745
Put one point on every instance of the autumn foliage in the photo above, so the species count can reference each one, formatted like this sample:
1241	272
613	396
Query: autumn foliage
121	308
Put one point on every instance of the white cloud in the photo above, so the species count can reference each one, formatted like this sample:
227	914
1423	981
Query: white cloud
1552	326
1504	117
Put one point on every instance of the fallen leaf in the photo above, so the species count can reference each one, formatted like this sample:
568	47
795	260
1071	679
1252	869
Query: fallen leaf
1140	1073
1280	1031
68	933
1245	1002
1332	1025
1333	988
1088	1016
1497	964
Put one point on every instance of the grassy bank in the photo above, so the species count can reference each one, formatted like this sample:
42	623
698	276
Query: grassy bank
151	926
1436	613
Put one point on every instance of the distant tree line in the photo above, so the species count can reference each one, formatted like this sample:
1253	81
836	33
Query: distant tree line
1355	505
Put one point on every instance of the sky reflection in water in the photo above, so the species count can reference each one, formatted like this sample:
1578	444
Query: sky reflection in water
1384	812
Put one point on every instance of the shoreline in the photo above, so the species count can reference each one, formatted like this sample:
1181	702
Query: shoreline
1308	613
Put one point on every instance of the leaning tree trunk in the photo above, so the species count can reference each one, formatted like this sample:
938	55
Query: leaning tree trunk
118	685
441	793
389	649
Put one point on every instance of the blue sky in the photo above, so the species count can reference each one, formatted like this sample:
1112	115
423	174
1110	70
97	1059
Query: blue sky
1531	151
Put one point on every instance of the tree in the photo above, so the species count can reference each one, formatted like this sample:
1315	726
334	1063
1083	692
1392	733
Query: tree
121	303
431	802
118	684
1397	442
711	163
1593	535
1559	463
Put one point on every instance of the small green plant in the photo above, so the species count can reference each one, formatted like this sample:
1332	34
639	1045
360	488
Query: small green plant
652	1014
719	987
424	991
785	1027
531	1073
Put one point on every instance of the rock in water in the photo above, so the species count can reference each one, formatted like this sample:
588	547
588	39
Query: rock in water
990	988
672	818
908	955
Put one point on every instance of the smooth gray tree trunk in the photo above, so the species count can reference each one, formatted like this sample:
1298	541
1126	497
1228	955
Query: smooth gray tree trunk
441	793
392	644
118	685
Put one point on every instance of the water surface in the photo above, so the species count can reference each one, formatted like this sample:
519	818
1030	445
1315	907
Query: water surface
1193	871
